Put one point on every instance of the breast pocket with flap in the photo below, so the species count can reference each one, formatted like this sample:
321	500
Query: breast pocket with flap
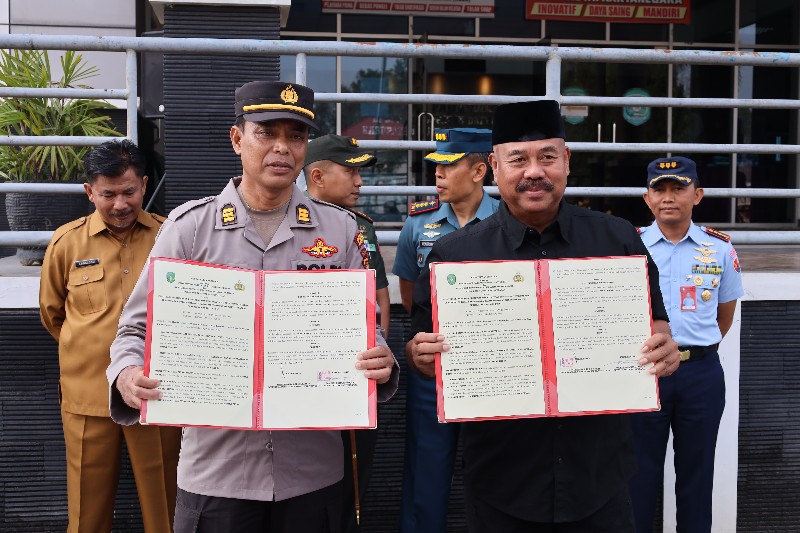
87	289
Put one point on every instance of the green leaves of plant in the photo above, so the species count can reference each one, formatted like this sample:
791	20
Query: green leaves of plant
47	116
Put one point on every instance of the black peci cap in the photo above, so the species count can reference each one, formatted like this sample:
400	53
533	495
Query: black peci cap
339	149
527	121
260	101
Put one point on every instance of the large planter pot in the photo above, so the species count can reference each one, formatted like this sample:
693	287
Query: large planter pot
42	212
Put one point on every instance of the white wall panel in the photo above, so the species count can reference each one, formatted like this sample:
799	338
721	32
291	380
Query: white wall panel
83	13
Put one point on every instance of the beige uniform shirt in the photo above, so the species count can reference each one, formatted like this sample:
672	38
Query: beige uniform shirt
253	465
87	276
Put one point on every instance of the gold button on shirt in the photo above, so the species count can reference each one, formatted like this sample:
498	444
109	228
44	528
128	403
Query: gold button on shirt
80	305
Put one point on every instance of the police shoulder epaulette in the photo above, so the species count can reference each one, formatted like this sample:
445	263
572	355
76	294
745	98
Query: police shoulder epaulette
718	234
66	228
423	207
328	204
182	209
323	202
362	215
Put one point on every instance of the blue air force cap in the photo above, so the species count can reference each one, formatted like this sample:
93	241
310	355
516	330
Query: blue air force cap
455	143
681	169
527	121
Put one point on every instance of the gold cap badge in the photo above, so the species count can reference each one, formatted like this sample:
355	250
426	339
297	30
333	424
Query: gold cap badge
289	95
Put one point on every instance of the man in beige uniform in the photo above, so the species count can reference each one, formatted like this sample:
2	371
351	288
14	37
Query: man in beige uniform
89	270
259	481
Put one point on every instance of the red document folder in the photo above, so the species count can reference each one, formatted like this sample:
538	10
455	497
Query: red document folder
253	349
544	338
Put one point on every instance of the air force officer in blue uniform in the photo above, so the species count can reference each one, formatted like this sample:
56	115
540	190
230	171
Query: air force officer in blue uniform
700	281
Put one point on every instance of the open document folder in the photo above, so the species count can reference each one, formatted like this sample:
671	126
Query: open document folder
542	338
250	349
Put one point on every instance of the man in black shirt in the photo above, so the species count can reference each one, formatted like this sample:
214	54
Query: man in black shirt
542	475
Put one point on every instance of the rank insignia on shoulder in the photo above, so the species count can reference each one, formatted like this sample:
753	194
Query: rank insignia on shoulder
228	213
362	215
303	215
718	234
423	207
320	249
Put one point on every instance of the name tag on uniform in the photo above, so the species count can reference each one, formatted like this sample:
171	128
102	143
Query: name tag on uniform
87	262
426	244
688	298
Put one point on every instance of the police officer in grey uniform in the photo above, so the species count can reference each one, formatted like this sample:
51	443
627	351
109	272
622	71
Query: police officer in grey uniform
700	279
243	481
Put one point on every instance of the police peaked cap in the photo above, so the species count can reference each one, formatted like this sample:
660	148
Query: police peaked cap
261	101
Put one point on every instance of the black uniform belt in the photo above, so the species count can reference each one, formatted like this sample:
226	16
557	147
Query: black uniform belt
693	353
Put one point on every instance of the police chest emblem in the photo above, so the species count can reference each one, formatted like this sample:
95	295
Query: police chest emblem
228	213
320	249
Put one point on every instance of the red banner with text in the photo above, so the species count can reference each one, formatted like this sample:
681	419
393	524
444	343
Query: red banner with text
625	11
436	8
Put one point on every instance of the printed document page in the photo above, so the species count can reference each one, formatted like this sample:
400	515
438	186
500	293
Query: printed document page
202	326
314	327
601	316
488	315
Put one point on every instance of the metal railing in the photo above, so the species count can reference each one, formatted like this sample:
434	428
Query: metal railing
552	56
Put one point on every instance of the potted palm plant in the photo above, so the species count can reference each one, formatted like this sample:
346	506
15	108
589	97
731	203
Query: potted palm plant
49	116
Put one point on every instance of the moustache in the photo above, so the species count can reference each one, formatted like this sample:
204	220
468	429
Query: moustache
535	185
